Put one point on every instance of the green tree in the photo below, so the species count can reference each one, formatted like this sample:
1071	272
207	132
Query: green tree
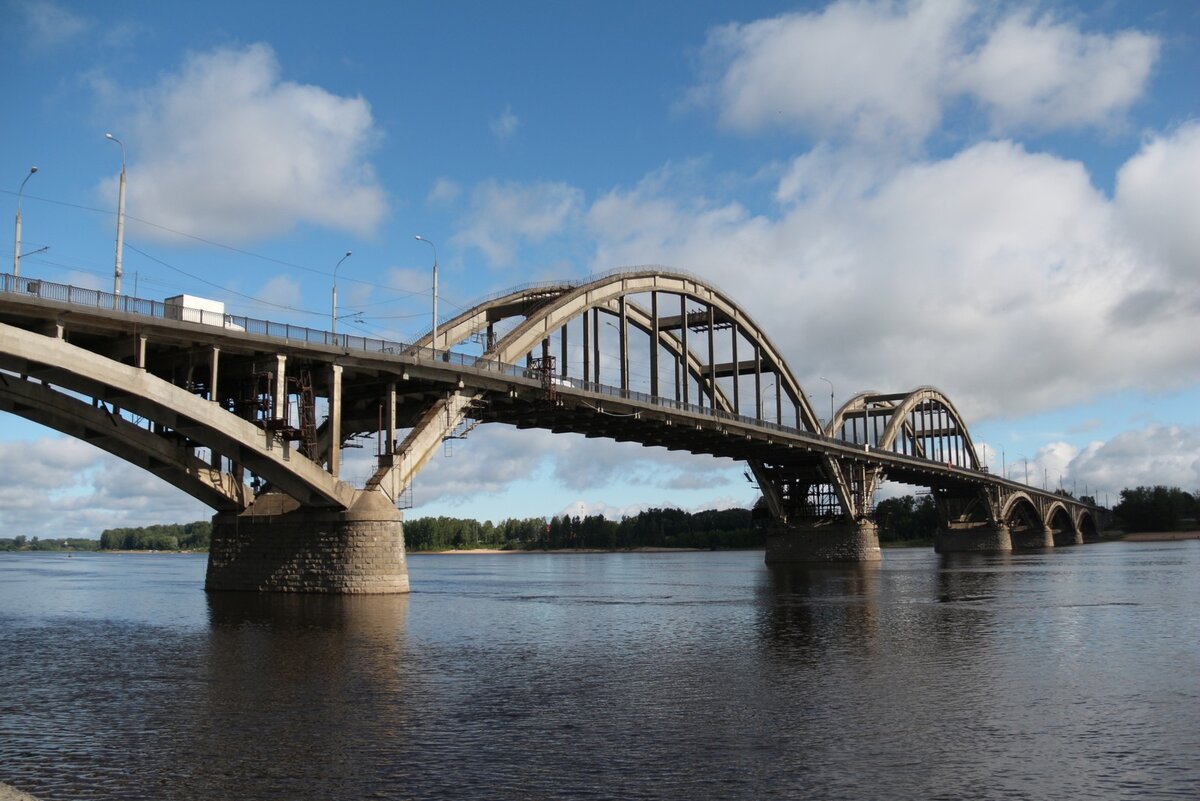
1157	508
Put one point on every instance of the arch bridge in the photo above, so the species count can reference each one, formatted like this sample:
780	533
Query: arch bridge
253	417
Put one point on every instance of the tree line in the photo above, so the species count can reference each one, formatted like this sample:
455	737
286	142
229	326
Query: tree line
1157	508
662	528
161	537
23	543
903	519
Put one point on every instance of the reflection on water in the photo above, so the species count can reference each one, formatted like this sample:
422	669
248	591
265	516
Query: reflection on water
704	675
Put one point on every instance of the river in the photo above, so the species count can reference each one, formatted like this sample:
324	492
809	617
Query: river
1072	673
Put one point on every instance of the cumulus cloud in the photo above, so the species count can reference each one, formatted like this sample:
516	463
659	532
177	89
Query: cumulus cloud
505	215
1044	75
998	274
71	489
1158	194
226	148
867	69
1156	454
884	73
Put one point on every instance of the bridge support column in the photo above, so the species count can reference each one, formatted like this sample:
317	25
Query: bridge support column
1033	537
833	542
979	539
278	546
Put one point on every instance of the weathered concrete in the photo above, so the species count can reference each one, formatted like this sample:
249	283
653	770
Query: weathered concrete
979	539
277	546
832	542
1032	537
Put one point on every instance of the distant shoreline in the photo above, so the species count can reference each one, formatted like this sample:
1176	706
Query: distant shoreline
1162	536
642	549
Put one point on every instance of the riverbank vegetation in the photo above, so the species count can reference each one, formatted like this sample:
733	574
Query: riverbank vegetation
23	543
163	537
1157	508
903	521
653	528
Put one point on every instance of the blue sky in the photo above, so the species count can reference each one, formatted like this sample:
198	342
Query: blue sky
999	199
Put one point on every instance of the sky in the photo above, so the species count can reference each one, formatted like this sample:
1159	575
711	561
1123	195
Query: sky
1000	199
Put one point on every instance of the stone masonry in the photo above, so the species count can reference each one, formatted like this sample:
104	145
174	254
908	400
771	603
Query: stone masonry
277	546
833	542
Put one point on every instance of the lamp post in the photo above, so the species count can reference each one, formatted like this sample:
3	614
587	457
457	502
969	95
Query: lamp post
767	389
333	307
120	217
17	240
433	341
830	383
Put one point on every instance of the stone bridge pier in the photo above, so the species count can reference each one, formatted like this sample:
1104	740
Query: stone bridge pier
276	545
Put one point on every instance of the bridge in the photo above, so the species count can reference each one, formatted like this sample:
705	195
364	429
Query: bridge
252	418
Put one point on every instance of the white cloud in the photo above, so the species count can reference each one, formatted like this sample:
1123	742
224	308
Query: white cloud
1003	276
870	70
49	25
1044	75
1158	194
227	149
505	125
504	215
69	488
1157	454
884	73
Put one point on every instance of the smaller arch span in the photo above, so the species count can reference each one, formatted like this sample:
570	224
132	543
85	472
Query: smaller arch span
922	422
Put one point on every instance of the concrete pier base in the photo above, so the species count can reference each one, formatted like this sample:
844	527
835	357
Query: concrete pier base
1033	538
277	546
978	539
833	542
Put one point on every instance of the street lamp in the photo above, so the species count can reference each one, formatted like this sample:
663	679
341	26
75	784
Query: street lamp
120	217
830	383
333	308
767	389
432	342
17	241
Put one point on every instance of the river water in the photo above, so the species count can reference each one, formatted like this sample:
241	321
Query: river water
1072	673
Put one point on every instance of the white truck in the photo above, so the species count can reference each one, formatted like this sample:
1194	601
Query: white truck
193	309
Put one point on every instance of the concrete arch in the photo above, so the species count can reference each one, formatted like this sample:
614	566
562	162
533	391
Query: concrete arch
167	459
897	409
1086	525
544	309
1060	524
598	293
200	420
1019	506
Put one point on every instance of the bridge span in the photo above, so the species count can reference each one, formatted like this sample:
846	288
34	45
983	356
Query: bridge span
251	417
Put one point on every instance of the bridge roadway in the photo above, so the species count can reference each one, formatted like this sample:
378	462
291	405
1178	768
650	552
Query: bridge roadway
222	405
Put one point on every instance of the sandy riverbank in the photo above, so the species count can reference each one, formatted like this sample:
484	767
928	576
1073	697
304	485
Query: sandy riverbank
13	794
1162	536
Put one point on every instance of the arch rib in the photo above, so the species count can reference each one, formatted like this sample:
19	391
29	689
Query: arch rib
205	422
